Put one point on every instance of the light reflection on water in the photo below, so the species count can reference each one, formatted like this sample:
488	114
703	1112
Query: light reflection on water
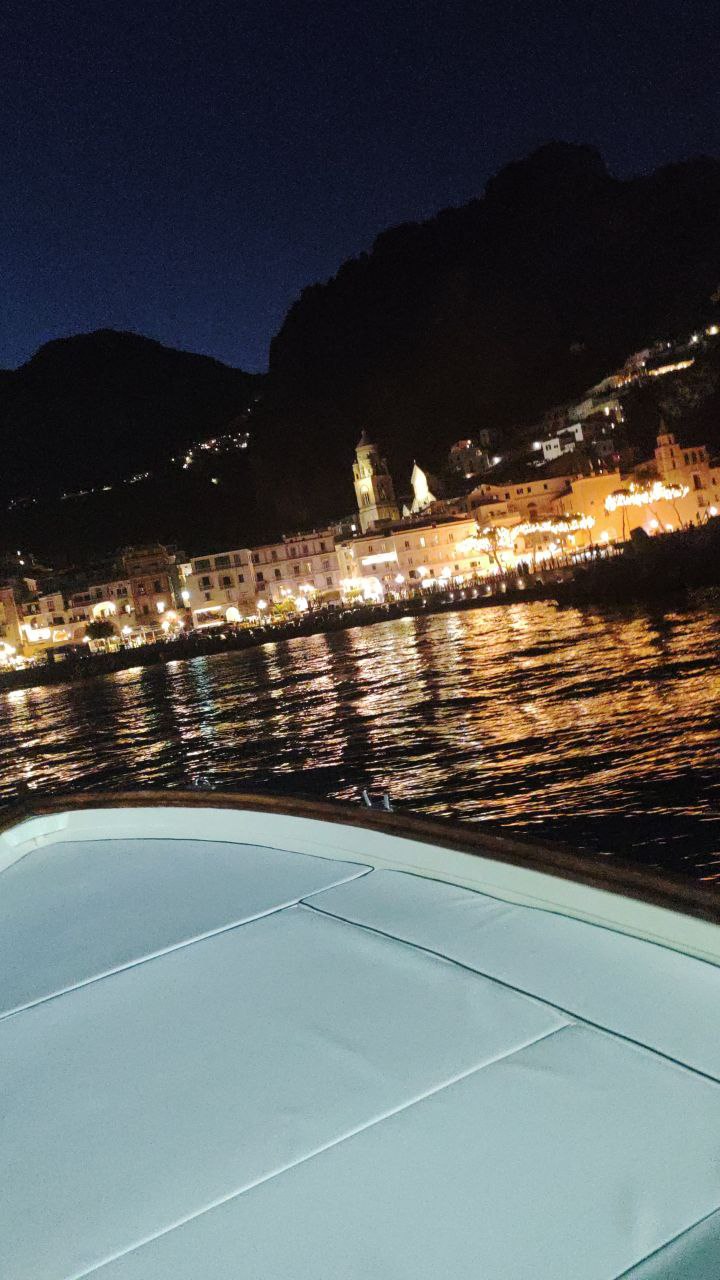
600	731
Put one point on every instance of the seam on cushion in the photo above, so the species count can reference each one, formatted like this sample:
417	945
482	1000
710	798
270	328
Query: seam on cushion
556	912
634	1269
509	986
164	951
316	893
317	1151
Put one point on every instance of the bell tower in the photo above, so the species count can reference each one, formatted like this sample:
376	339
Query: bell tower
374	488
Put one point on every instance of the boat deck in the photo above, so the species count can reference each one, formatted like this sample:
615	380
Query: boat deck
220	1059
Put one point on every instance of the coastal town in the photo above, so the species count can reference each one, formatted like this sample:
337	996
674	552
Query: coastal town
572	499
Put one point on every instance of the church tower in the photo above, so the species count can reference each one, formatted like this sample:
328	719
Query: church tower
374	488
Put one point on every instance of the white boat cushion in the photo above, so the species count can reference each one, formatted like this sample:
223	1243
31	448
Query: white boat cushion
72	911
201	1079
648	993
573	1159
142	1098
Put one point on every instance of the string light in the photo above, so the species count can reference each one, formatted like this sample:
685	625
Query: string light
503	538
635	496
563	524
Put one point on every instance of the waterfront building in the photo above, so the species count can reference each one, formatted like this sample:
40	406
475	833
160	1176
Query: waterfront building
303	569
440	549
102	601
485	508
411	553
218	588
10	634
296	572
692	468
54	621
45	624
531	500
587	496
141	604
154	585
374	489
369	567
681	486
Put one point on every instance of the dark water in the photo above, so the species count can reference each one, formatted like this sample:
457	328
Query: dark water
600	731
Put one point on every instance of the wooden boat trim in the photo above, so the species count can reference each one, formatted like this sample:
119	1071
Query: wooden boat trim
605	874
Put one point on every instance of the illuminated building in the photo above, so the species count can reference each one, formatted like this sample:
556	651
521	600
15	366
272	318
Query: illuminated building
374	489
154	583
106	600
681	487
54	621
302	567
10	635
412	553
136	605
215	586
689	466
530	500
423	496
587	495
564	441
46	625
230	585
469	457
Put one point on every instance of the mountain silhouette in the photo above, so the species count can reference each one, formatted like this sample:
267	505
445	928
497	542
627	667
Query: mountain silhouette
485	316
97	408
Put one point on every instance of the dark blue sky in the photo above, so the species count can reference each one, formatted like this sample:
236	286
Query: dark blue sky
184	168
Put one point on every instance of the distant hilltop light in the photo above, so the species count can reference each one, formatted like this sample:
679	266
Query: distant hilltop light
229	443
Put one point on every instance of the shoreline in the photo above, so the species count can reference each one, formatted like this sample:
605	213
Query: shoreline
668	566
316	622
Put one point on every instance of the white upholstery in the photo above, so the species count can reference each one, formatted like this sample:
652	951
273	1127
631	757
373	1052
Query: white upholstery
136	1100
70	912
566	1161
204	1078
645	992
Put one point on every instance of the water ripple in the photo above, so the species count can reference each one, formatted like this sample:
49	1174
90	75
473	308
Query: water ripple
601	731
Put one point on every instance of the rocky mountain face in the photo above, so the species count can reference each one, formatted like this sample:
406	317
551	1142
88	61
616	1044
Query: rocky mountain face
485	316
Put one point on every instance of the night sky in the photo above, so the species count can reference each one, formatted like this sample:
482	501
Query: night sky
184	169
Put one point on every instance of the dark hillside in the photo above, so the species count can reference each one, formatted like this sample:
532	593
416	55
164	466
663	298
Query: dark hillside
486	315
